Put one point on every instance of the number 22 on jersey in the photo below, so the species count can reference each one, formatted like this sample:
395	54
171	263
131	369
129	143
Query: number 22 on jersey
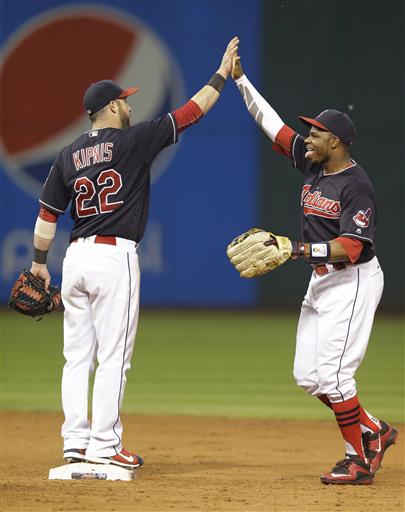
110	181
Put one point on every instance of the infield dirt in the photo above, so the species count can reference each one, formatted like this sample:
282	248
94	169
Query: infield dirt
195	463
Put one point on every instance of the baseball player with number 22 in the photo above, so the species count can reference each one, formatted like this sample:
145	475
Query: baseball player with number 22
105	175
338	228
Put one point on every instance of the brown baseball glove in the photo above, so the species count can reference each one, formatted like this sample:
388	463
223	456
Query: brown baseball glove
29	297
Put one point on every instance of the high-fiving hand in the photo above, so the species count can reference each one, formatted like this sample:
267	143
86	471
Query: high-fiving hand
226	63
237	70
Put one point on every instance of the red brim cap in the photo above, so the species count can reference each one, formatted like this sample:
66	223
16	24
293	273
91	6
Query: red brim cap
313	122
128	92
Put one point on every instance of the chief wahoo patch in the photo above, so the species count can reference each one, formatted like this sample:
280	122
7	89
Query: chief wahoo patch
362	218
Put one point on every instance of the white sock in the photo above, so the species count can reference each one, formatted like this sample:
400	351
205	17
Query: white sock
349	449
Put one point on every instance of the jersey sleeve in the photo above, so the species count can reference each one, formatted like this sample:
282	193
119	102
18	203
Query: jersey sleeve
55	195
187	115
358	213
291	144
151	137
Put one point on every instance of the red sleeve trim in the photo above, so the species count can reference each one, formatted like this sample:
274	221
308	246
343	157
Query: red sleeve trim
190	113
352	247
284	137
45	214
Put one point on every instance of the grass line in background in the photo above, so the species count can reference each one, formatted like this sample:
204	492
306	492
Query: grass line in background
202	363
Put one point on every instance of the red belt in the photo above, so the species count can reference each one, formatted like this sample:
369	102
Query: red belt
322	270
109	240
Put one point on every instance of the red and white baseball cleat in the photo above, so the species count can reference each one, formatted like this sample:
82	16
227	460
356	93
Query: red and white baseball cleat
352	471
375	444
124	459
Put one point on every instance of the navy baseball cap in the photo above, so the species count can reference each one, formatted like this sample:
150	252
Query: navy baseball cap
335	122
99	94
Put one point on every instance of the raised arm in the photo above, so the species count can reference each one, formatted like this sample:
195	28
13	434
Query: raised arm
209	94
263	113
192	111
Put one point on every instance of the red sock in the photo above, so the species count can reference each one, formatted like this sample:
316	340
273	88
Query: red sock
348	418
364	417
368	422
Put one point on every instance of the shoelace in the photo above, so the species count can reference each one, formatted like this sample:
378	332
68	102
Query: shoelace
342	464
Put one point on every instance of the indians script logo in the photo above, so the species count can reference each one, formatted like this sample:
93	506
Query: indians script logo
315	204
362	218
50	61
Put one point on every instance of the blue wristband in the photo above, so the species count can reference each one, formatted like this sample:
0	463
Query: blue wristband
319	252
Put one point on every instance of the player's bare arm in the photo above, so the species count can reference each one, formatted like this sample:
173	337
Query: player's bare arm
195	108
209	94
44	233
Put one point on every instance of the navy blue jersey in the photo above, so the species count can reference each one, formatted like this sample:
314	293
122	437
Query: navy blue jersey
105	174
333	205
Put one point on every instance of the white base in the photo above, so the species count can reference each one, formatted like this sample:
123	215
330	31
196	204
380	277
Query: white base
87	471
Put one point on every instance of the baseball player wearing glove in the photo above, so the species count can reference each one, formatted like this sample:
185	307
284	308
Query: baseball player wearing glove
105	175
338	227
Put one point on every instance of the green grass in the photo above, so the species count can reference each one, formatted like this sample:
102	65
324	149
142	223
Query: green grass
202	363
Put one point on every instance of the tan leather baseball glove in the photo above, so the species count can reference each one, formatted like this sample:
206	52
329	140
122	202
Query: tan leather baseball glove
257	252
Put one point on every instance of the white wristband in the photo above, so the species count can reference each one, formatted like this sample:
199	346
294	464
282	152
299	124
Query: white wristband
45	229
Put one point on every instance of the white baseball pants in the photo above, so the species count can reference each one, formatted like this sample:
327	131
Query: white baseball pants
100	292
334	327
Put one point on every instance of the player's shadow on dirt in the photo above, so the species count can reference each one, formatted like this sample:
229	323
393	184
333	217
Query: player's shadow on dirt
195	467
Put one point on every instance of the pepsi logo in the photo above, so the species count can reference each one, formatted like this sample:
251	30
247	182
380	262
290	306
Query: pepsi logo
362	218
50	61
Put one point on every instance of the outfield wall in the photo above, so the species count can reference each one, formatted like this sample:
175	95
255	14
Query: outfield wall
204	188
222	178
